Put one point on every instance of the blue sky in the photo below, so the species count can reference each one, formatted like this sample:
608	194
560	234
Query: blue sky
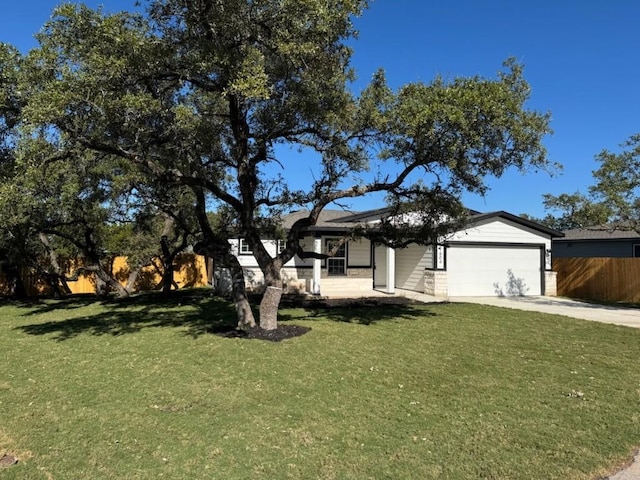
581	58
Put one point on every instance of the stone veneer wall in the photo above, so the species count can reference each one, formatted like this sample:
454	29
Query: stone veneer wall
366	272
435	283
550	284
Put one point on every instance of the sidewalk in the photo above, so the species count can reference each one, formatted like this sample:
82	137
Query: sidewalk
629	317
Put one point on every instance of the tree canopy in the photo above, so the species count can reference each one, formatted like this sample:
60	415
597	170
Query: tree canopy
205	96
612	202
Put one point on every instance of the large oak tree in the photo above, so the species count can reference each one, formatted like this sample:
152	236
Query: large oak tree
215	95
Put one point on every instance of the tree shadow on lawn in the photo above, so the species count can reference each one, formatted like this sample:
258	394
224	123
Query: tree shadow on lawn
44	305
201	313
364	311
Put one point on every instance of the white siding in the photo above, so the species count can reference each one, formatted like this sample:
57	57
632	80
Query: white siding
359	253
480	270
410	265
307	246
502	231
380	271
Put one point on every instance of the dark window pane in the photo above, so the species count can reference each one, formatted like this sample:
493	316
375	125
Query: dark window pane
335	266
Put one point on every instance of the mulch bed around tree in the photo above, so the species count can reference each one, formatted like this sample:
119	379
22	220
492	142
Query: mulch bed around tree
281	333
285	331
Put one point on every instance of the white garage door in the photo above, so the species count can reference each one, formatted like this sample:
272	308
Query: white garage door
410	265
494	270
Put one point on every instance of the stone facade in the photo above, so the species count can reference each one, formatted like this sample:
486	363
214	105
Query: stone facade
364	272
435	283
550	284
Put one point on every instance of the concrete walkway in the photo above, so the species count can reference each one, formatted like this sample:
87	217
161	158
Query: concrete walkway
629	317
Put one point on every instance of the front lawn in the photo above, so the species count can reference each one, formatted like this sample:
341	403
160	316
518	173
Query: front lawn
146	389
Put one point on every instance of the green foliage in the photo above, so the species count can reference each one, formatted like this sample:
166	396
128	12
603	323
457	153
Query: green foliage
617	184
205	96
612	201
575	211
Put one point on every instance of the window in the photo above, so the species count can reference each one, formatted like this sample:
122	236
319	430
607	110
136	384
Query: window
337	264
244	247
280	245
636	251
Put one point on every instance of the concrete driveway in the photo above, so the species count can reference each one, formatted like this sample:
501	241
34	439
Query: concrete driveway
629	317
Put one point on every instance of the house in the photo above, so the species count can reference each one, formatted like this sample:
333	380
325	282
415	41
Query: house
597	242
494	254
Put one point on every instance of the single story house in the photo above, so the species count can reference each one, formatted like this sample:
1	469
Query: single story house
597	242
495	254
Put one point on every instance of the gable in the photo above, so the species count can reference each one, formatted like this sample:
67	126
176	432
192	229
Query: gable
500	230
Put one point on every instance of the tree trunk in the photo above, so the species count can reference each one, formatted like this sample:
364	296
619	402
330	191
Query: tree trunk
107	279
221	251
101	287
167	258
239	294
218	247
16	285
269	308
167	275
56	278
273	281
131	280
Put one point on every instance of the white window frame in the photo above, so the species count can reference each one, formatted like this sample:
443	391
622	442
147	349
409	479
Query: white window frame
243	247
336	259
280	246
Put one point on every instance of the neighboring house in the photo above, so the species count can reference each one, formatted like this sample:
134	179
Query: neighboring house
597	242
495	254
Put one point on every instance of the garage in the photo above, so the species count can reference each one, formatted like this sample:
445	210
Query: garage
489	270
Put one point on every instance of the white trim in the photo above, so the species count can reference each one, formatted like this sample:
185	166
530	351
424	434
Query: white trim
336	256
391	270
244	248
317	265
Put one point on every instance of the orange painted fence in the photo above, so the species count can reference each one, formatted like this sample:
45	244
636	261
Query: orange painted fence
605	279
190	271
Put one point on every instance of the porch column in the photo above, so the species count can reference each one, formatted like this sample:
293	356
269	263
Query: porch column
317	248
391	270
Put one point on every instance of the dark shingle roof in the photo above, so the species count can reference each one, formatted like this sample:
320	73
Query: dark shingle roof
328	219
599	233
341	220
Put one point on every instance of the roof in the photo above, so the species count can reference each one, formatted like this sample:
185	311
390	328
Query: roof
602	232
341	220
328	220
515	219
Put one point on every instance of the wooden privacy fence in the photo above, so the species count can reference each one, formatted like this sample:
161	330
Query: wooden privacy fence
190	271
605	279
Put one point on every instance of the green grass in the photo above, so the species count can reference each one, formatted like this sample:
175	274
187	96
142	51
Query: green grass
140	390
